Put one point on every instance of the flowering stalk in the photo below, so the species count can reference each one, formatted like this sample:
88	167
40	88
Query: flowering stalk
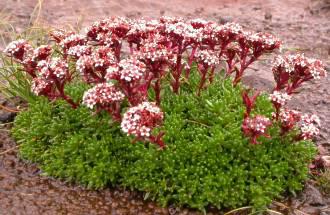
190	61
206	60
178	70
290	72
279	99
105	96
255	127
252	46
140	120
249	102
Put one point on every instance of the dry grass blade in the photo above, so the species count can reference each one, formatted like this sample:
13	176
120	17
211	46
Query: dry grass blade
35	15
9	150
285	206
238	209
248	208
8	109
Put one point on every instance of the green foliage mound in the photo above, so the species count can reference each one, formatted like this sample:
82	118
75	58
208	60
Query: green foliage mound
207	160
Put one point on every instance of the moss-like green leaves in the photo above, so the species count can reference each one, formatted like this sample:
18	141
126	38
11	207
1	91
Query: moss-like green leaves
207	160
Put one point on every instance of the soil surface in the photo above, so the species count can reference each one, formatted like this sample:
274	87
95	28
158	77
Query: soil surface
303	25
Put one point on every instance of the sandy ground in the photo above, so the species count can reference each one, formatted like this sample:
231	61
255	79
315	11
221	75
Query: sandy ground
303	25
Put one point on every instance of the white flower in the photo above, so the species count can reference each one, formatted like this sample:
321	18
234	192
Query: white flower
102	94
141	119
279	97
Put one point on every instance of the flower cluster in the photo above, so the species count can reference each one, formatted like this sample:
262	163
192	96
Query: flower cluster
306	123
290	72
19	49
93	65
103	94
208	57
293	70
51	77
279	98
140	120
49	74
309	126
260	42
128	70
52	70
155	49
72	40
288	119
255	127
40	53
131	78
78	51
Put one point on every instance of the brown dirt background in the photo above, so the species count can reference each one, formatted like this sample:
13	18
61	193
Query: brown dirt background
303	25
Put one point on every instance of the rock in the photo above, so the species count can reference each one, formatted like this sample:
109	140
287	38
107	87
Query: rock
275	25
257	82
133	14
326	161
313	196
268	15
184	212
224	19
199	10
172	210
6	116
327	68
267	28
322	150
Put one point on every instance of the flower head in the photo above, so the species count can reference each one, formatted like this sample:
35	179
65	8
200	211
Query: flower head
73	40
116	26
288	119
103	94
292	70
155	49
308	125
19	49
279	98
141	119
226	33
141	29
128	70
79	50
207	57
41	86
261	42
51	69
41	53
255	127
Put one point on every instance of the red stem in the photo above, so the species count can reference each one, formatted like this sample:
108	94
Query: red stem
157	90
190	61
60	88
178	71
202	82
211	77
